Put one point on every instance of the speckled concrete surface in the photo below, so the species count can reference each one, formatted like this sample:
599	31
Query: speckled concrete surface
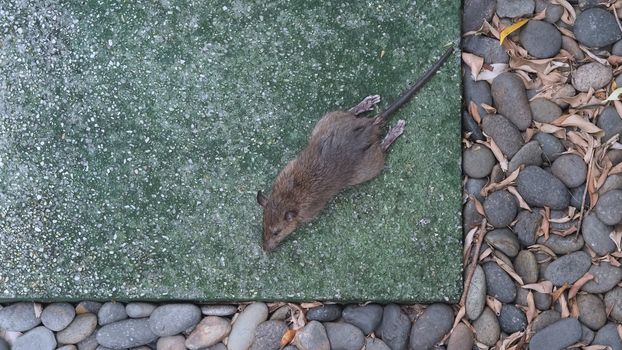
133	138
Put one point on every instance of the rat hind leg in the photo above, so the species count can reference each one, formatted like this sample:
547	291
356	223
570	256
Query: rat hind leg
393	134
366	105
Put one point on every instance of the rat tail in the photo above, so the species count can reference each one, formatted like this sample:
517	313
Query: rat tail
384	115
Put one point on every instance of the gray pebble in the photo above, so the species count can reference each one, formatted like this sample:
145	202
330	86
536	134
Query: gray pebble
476	296
617	48
475	12
498	283
476	91
312	337
613	182
19	317
526	266
541	39
596	235
526	226
558	335
515	8
243	330
218	310
171	342
545	319
210	331
596	27
591	311
474	188
64	347
487	328
139	310
365	317
562	244
88	306
324	313
461	338
281	313
512	319
171	319
39	338
609	120
570	45
57	316
609	207
552	148
540	188
504	133
542	300
576	197
615	156
395	327
79	329
570	169
4	345
553	11
268	335
111	312
608	335
587	335
126	333
88	343
374	344
613	301
344	336
504	240
500	208
606	276
544	111
529	154
568	268
591	75
487	48
477	161
510	97
431	326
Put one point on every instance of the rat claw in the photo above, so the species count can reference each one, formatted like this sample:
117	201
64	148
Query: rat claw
366	105
393	134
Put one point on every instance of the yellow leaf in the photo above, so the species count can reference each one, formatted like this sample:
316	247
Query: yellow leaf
509	30
615	95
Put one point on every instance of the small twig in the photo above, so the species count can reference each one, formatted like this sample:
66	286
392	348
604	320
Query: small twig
479	238
587	178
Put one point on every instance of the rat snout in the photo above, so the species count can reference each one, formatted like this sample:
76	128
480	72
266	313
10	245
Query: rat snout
268	246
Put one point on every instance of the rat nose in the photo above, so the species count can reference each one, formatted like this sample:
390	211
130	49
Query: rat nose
268	246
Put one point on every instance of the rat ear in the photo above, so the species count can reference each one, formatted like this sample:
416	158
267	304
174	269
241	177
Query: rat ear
261	199
290	215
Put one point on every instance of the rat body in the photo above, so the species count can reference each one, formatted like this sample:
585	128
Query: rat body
344	149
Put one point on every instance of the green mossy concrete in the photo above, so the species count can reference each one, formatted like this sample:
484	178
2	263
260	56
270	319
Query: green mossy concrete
134	136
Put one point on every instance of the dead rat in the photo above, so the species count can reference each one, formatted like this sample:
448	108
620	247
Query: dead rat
344	149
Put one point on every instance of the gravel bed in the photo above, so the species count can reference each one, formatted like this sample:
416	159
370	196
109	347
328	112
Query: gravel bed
542	217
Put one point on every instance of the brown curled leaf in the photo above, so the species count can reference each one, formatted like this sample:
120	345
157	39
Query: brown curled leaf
287	338
544	287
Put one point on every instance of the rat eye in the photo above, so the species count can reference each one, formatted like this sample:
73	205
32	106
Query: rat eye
276	232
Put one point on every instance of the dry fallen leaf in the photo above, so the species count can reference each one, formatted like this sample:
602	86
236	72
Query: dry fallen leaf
474	62
544	287
287	337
